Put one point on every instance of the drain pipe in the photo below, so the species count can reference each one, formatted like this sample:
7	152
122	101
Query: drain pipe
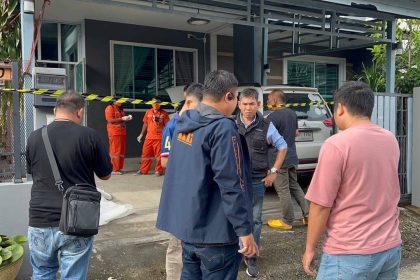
204	39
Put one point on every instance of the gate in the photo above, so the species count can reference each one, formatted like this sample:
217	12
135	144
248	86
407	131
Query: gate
395	113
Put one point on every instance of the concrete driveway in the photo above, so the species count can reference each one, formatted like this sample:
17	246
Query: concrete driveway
132	248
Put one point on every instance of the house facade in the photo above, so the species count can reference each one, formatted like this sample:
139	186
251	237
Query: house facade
137	49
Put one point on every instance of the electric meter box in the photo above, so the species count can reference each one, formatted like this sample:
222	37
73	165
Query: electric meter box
48	78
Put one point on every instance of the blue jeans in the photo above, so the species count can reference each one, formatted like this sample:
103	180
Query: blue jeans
383	266
48	245
210	262
258	192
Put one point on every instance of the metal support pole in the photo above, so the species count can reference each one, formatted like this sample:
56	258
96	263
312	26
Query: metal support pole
213	51
264	55
390	57
17	149
294	34
337	39
248	11
262	8
332	29
298	35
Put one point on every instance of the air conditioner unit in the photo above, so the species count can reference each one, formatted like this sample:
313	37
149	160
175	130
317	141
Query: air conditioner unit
48	78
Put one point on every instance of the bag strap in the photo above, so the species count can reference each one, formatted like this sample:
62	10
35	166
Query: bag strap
51	159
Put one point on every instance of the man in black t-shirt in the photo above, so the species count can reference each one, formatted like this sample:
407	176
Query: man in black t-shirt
286	184
80	153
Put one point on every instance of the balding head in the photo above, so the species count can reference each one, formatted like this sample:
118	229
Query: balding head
70	106
279	95
70	101
275	98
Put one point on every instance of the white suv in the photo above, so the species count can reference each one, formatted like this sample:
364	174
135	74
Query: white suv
315	122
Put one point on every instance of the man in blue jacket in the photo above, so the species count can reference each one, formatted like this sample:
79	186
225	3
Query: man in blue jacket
193	96
207	191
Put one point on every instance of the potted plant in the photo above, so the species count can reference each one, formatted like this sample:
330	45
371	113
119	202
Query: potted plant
11	256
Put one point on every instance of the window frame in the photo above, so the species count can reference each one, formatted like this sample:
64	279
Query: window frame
80	49
112	43
80	44
340	61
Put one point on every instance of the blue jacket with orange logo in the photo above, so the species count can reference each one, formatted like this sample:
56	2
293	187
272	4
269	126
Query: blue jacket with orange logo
207	192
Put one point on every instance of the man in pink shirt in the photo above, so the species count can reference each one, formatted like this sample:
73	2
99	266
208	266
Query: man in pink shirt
354	195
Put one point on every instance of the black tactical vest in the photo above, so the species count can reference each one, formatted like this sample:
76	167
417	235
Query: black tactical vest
256	140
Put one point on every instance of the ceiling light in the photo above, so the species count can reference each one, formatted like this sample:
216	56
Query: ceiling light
198	21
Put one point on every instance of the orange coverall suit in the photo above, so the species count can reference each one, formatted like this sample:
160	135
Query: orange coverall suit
155	121
116	134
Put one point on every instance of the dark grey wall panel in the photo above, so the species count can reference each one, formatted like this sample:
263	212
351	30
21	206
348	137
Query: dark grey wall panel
243	53
98	35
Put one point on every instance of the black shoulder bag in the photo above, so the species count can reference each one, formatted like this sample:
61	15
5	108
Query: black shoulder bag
81	202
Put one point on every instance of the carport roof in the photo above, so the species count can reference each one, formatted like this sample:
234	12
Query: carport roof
328	24
400	8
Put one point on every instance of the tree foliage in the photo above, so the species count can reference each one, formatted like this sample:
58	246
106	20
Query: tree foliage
10	43
407	64
10	49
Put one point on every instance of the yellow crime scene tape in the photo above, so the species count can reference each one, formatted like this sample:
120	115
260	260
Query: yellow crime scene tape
96	97
90	96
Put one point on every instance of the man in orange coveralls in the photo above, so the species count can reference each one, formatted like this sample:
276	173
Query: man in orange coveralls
154	121
116	120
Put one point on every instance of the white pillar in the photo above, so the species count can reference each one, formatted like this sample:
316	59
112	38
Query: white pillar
27	35
416	148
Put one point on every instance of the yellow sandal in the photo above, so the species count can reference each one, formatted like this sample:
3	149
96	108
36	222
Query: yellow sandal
278	224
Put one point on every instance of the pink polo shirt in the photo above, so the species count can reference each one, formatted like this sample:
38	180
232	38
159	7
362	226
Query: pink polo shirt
357	176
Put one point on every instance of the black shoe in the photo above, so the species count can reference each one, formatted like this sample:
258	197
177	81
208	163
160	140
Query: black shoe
252	269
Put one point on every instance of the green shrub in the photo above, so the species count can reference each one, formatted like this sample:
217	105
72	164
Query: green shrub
11	249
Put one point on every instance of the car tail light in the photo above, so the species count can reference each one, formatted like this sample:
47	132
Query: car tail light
328	122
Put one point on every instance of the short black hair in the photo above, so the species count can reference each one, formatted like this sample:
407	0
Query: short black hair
217	83
357	97
186	87
180	105
70	101
195	90
250	93
157	98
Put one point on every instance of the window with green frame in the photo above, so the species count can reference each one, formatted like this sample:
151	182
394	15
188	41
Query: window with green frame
145	72
323	76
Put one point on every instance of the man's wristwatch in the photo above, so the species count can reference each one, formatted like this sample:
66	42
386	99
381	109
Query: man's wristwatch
274	170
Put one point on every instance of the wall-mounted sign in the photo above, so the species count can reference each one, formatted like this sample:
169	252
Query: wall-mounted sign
5	71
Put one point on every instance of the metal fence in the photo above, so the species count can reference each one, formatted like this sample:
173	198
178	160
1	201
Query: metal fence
395	113
12	123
